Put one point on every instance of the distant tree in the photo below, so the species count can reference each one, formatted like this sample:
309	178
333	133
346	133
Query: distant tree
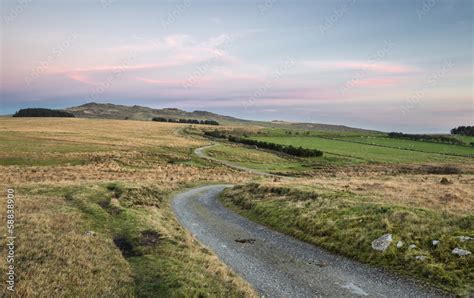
425	138
38	112
210	122
159	119
463	130
290	150
190	121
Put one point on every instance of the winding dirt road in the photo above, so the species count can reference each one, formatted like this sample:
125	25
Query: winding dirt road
201	152
278	265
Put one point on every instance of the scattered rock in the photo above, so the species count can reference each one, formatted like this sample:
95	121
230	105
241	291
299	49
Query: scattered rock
382	243
461	252
444	181
89	233
245	240
421	258
321	264
411	246
465	238
399	244
435	242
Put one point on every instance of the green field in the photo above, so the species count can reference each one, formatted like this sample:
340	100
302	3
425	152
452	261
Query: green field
411	145
367	152
466	139
270	162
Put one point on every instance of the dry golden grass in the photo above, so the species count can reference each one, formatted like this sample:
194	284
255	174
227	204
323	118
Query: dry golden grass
55	258
128	151
166	176
99	131
424	191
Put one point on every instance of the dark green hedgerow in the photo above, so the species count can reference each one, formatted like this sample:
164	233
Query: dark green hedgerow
290	150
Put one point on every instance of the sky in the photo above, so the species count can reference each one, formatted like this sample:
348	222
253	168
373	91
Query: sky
402	65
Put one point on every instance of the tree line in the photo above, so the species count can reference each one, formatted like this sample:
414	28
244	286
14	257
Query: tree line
463	130
190	121
426	138
39	112
290	150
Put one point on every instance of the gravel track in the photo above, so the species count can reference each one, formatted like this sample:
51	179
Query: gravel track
278	265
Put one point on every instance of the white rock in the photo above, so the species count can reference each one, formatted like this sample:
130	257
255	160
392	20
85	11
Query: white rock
461	252
421	258
399	244
435	242
465	238
411	246
89	233
382	243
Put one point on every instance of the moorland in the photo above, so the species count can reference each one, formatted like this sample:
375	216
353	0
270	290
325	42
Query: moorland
93	200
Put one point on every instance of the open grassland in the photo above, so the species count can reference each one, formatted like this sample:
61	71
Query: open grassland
346	222
114	178
367	152
329	165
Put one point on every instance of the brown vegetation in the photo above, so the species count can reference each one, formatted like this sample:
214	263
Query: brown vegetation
59	168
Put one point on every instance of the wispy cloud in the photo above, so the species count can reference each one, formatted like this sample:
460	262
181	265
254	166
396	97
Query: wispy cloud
375	82
353	65
174	51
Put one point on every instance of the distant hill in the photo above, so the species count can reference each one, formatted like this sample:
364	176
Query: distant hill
113	111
